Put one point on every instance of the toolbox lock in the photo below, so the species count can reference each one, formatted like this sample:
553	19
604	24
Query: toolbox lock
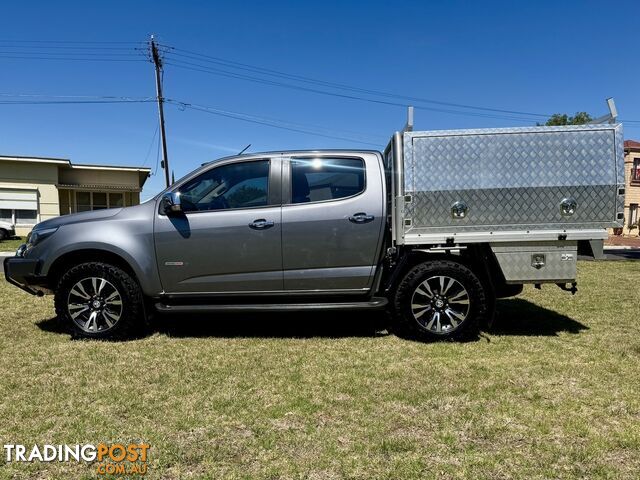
537	260
568	206
459	210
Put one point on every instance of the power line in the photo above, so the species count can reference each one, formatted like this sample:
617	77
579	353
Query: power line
93	97
68	102
263	121
68	54
155	170
268	119
89	47
266	71
67	47
224	73
95	59
101	42
153	140
44	99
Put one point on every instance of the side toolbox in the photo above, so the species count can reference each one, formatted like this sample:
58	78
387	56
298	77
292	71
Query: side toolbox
537	262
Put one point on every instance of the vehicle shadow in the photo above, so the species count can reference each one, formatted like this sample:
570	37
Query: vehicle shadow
52	325
334	324
516	316
513	317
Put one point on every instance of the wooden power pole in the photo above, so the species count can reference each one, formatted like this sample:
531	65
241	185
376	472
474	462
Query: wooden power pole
157	61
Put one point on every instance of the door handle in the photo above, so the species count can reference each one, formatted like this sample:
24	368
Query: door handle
261	224
361	217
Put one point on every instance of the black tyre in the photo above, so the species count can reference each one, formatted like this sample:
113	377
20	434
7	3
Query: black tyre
439	300
3	234
98	300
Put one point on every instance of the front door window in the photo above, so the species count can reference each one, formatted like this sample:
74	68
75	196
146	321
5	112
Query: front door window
232	186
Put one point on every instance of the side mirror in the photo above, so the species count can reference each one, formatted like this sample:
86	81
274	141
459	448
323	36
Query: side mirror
170	203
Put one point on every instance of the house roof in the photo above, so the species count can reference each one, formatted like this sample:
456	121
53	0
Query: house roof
67	162
143	172
13	158
631	145
98	186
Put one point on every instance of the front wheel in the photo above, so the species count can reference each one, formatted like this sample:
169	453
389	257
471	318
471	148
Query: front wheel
98	300
440	300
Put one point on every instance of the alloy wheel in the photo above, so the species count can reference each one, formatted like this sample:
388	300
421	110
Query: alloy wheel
440	304
94	304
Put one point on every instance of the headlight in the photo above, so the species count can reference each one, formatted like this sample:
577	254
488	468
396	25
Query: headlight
36	236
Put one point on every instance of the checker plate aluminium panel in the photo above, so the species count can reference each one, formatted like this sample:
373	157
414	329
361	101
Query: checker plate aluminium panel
531	262
513	178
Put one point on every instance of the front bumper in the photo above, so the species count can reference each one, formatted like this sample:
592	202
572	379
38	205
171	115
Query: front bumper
23	273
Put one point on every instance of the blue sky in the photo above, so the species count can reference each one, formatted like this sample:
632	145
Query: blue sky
533	57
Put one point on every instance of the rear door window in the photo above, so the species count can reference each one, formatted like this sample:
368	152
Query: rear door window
322	179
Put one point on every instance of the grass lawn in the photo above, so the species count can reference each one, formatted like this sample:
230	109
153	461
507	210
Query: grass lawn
552	392
12	244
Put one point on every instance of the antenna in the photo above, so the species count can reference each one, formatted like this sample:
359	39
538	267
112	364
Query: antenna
244	149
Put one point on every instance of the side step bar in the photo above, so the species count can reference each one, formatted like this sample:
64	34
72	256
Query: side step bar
374	303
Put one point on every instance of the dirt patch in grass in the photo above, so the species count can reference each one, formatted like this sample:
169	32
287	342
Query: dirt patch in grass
550	392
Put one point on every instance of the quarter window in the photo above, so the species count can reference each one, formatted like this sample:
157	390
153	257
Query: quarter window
320	179
236	185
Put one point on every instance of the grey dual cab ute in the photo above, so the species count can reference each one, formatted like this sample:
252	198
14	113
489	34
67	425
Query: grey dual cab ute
434	229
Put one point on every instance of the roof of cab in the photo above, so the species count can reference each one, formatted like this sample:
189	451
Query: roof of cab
287	153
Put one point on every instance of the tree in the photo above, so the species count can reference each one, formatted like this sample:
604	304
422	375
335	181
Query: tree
580	118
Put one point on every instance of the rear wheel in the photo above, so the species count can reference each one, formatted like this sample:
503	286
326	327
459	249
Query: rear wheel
440	300
3	234
98	300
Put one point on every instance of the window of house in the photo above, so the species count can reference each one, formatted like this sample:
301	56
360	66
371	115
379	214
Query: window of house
237	185
87	201
635	170
116	200
633	214
83	201
19	206
26	217
99	200
320	179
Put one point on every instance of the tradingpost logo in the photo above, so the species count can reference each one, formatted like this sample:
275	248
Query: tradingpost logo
110	458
